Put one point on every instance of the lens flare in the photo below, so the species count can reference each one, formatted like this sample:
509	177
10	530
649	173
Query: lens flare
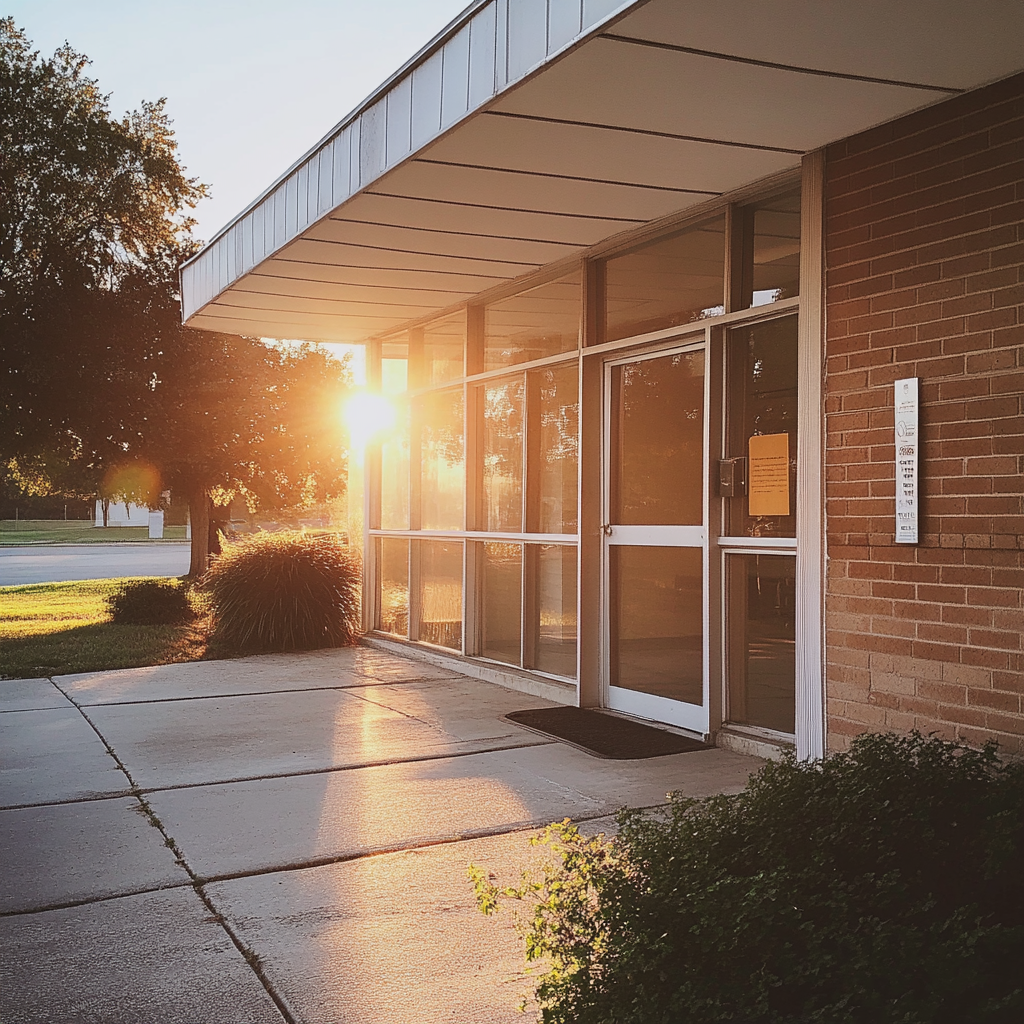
367	416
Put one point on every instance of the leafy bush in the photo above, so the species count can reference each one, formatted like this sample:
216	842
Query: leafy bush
882	885
285	591
157	602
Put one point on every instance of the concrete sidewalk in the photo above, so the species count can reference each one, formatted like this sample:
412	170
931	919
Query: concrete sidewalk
282	838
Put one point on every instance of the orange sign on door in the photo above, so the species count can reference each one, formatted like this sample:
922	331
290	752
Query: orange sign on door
768	493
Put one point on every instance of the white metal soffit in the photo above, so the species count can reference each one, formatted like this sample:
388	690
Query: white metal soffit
533	129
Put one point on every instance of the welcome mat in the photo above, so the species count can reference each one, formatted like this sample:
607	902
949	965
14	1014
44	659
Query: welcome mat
605	735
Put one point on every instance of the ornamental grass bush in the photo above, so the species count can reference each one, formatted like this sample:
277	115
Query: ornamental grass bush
156	602
288	591
877	886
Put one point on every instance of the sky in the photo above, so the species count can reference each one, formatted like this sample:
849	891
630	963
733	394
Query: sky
251	85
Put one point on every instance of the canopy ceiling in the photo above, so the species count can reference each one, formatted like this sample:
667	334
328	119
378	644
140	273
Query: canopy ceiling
533	129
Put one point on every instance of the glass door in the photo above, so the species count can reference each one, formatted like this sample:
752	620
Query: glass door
654	537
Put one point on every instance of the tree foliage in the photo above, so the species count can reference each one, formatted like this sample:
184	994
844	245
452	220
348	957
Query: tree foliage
101	387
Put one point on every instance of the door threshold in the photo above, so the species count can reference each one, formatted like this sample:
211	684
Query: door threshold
743	742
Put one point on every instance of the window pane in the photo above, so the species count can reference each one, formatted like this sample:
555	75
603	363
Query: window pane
393	562
658	431
558	448
658	627
501	477
442	465
556	607
762	405
540	322
444	343
777	250
394	472
440	592
502	616
668	283
762	641
394	376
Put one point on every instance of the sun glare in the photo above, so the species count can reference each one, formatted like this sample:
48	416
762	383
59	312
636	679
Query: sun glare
368	415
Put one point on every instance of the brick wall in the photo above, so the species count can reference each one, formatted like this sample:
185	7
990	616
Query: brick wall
924	225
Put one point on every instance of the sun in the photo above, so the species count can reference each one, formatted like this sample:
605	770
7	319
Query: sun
368	415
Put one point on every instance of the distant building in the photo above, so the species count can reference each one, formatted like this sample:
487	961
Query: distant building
673	297
121	513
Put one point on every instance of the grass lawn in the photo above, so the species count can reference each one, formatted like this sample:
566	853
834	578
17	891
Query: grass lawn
59	531
57	628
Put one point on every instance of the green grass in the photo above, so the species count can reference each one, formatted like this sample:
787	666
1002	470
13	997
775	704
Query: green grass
58	628
45	531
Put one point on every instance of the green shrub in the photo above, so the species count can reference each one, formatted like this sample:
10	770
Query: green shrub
284	592
879	886
157	602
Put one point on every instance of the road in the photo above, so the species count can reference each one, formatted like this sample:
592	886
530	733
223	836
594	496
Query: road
59	562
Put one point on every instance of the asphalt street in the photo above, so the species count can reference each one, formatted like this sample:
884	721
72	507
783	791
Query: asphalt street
59	562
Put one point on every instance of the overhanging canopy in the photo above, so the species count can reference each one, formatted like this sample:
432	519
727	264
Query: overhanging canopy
530	130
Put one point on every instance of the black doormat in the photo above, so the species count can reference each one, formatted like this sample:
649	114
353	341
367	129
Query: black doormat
605	735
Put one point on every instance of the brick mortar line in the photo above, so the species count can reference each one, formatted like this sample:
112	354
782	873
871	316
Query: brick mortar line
248	955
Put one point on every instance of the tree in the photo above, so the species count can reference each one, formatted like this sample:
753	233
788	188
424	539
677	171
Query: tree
101	387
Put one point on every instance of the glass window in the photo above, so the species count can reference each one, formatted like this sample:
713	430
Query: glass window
393	562
668	283
442	468
556	610
762	422
762	641
439	569
444	345
557	449
394	472
394	376
534	324
658	621
501	477
658	427
502	616
776	250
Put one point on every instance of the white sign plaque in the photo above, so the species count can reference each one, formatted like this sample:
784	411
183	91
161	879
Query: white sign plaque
907	449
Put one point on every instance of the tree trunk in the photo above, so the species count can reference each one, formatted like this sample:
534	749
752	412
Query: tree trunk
199	514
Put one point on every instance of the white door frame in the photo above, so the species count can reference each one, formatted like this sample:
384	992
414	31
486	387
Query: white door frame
634	702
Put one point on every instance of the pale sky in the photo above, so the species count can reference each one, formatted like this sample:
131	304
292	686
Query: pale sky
250	84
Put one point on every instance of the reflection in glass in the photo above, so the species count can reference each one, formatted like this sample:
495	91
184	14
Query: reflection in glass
501	478
393	560
670	282
444	344
658	427
502	618
657	629
556	608
440	592
439	417
762	641
558	448
537	323
762	396
776	250
394	472
394	376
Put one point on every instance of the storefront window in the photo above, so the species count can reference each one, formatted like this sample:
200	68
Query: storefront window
502	620
439	568
393	559
667	283
557	449
556	609
444	345
501	477
541	322
442	467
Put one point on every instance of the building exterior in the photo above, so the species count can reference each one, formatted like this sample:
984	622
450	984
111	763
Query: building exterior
654	287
